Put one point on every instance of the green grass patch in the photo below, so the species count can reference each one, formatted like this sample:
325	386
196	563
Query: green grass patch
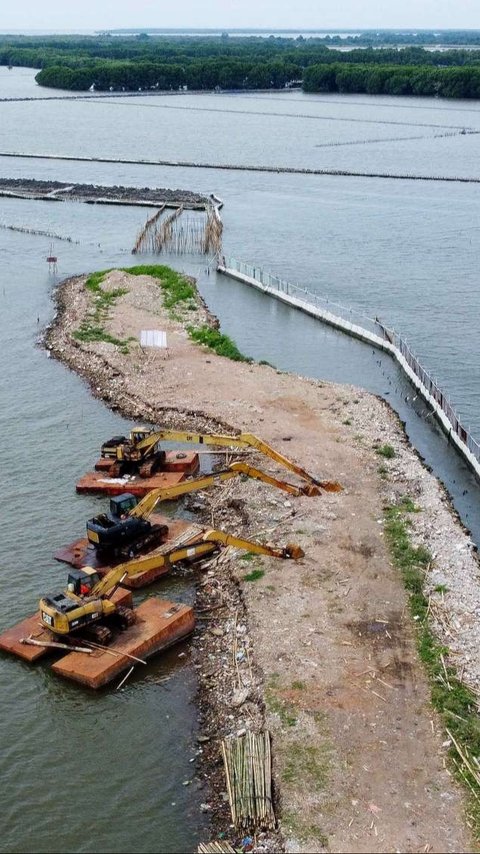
450	697
94	280
386	451
307	765
214	340
298	685
92	327
409	506
302	831
176	287
254	575
278	706
178	293
248	556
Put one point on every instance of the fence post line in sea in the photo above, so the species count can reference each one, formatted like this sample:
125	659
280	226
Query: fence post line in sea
371	331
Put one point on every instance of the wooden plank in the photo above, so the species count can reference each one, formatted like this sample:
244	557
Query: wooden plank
99	482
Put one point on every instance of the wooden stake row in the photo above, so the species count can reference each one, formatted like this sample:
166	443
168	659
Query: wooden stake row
144	237
177	234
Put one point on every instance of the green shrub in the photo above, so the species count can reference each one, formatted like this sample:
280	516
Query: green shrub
220	344
386	451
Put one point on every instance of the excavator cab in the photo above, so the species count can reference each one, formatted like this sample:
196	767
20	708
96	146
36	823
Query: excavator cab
81	582
121	505
139	433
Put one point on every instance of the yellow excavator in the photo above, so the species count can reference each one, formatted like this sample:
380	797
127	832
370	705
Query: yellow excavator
140	452
125	530
87	605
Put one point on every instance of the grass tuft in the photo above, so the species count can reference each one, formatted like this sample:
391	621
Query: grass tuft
455	702
254	575
386	451
92	326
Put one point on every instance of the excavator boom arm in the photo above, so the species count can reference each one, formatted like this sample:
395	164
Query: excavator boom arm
243	440
210	539
109	581
291	550
147	505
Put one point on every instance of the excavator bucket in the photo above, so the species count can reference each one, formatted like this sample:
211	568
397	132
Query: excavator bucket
294	551
331	485
309	489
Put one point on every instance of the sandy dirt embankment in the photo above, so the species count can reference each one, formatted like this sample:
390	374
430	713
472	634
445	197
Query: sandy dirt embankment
321	651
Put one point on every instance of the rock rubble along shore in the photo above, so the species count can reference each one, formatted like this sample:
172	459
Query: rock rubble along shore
61	190
323	651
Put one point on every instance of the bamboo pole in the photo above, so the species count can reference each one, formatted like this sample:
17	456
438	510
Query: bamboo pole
125	678
54	645
114	651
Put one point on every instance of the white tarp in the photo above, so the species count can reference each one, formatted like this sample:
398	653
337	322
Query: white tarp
153	338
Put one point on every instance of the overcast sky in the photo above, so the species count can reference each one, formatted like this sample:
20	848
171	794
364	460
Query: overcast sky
27	15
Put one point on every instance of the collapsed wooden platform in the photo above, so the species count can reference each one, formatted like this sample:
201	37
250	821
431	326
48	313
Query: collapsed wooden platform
149	566
159	624
178	464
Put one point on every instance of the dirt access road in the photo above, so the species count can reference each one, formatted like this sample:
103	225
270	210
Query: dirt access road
359	756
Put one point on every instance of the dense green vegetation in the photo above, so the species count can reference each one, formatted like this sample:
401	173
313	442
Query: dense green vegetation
205	63
394	80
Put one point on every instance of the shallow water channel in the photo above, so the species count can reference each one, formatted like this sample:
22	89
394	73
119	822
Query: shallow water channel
82	771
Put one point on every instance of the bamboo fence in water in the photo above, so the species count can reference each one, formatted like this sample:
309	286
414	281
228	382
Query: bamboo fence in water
182	233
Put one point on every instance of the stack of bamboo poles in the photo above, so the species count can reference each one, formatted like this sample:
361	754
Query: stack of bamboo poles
216	847
248	769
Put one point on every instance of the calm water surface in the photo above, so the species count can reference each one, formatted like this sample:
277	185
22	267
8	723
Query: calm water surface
406	251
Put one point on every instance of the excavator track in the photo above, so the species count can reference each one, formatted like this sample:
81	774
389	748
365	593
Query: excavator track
155	537
115	470
126	617
146	469
152	464
99	634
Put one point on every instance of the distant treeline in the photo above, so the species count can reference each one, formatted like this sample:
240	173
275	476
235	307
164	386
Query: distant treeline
392	80
144	62
207	74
